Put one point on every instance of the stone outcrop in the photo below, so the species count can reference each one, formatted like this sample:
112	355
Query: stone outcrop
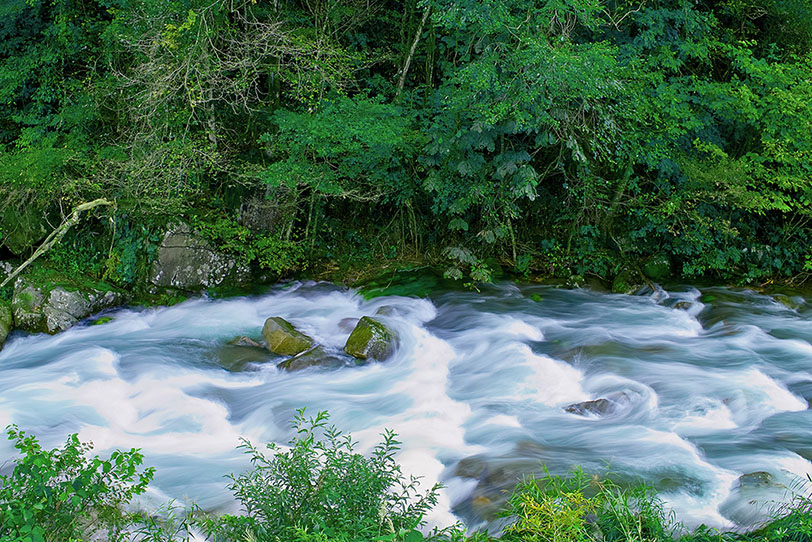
53	308
284	339
5	321
188	262
371	340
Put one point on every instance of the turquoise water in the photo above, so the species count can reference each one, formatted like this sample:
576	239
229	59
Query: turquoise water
702	387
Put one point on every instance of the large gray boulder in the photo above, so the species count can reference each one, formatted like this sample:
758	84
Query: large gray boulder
188	262
371	340
53	308
284	339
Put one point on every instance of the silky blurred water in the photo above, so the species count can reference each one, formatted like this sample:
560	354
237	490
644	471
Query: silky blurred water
704	387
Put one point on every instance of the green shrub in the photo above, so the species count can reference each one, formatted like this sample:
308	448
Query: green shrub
580	508
320	489
64	495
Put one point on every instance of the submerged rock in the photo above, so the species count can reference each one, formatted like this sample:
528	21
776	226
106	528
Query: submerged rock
55	308
790	302
758	479
242	340
188	262
315	357
284	339
347	324
239	357
371	339
598	407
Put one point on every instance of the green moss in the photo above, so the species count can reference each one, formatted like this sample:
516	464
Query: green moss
370	339
101	321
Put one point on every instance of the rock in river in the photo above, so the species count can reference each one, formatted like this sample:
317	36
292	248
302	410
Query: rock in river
284	339
315	357
53	308
371	339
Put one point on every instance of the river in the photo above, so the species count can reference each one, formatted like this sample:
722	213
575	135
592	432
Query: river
701	387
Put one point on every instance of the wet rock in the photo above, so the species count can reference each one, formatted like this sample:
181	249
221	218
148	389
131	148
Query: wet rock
5	321
597	285
658	267
575	281
790	302
683	305
238	357
55	308
242	340
598	407
188	262
386	310
284	339
347	324
627	281
315	357
757	479
371	339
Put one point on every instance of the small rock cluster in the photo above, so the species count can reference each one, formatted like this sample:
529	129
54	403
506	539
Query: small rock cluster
53	308
370	339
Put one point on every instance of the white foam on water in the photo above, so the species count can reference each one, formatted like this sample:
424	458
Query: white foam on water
705	415
433	426
693	508
504	420
551	382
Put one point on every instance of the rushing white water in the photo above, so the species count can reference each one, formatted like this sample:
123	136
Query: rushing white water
701	393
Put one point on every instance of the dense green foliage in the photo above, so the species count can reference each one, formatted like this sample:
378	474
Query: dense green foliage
320	490
62	494
561	136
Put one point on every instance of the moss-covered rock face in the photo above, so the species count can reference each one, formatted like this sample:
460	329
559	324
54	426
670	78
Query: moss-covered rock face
371	340
52	308
627	281
5	321
22	228
658	267
283	339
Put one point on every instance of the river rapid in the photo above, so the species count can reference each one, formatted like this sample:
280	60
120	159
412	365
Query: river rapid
701	388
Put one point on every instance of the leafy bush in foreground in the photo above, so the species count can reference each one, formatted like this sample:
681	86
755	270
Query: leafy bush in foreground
320	489
62	494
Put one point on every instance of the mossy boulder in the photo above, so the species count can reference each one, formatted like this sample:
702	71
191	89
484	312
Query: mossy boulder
23	228
5	321
657	267
627	281
53	307
371	340
315	357
284	339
